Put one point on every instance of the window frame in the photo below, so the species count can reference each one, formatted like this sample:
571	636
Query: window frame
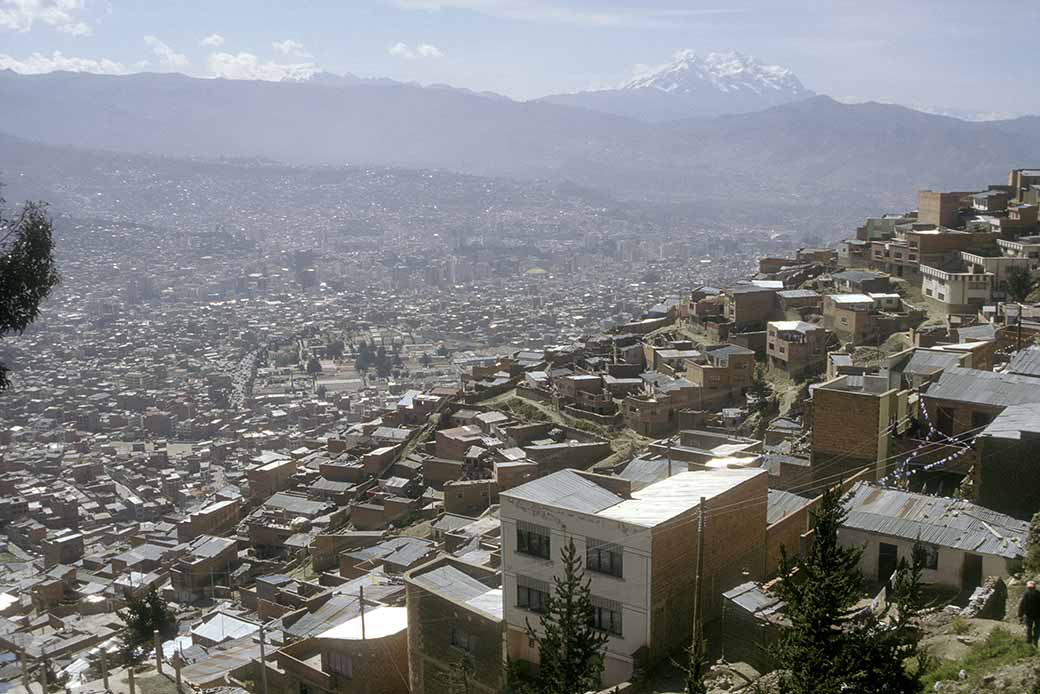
595	550
524	533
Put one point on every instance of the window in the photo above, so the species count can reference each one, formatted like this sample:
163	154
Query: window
460	638
606	616
341	664
604	558
532	540
531	594
931	557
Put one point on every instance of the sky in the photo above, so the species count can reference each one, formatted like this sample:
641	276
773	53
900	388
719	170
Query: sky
948	55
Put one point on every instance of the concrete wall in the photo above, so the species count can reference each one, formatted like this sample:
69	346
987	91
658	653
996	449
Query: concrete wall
950	565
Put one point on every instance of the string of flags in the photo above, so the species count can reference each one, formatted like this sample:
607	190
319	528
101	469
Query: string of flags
904	471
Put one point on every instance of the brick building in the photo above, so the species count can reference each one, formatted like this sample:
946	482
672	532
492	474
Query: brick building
854	419
454	611
796	348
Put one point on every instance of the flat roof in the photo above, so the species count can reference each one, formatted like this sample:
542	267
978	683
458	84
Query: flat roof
672	496
380	622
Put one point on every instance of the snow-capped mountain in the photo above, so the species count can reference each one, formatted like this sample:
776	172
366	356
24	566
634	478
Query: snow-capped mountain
693	85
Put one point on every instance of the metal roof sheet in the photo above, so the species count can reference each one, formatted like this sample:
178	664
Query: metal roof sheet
782	504
450	583
925	362
953	523
1015	419
984	387
1026	362
565	489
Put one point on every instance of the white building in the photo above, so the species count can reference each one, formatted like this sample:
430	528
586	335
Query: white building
639	547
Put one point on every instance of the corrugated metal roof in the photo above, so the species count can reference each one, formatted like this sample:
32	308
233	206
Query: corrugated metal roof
925	362
1015	419
450	583
783	503
649	470
1026	362
953	523
338	609
984	387
565	489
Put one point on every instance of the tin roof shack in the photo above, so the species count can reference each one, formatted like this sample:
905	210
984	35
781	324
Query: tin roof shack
964	543
1005	475
639	548
751	623
854	419
861	281
364	655
796	348
454	612
966	400
916	367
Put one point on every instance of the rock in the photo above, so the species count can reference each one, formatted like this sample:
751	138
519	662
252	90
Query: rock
989	601
988	680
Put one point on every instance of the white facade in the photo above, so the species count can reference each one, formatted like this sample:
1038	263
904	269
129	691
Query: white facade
565	506
956	289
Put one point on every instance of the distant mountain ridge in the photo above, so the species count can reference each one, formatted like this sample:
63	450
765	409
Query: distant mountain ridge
811	154
692	85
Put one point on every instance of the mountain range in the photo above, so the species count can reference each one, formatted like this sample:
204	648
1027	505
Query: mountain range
692	85
810	153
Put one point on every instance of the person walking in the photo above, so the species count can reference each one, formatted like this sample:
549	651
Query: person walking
1029	612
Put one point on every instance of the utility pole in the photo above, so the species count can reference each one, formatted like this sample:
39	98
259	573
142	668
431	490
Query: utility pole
670	459
158	651
697	608
361	601
263	663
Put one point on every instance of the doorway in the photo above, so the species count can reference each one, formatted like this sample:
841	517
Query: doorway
971	575
887	562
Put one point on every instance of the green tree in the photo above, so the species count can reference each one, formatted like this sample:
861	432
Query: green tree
28	270
1032	563
820	589
885	642
313	366
759	389
364	357
335	349
1019	283
570	647
696	666
426	360
141	618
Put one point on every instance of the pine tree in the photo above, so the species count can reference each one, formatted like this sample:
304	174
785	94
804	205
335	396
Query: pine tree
886	641
816	652
141	618
28	271
1019	283
570	648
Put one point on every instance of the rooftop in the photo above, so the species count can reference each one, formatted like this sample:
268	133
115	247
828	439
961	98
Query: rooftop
379	623
672	496
984	388
953	523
